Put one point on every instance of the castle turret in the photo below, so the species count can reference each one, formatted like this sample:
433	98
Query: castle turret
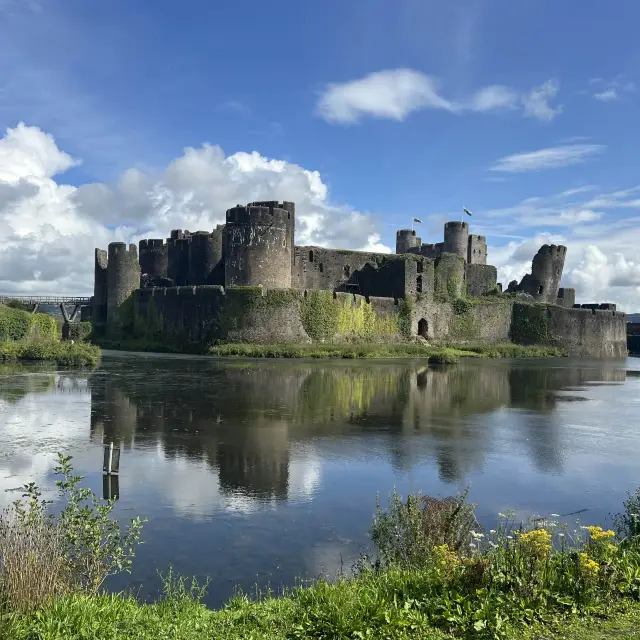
123	274
546	272
456	238
258	247
99	302
154	258
291	208
406	241
178	257
204	256
477	250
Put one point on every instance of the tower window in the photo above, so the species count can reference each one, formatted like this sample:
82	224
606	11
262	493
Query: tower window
310	256
540	289
321	267
347	271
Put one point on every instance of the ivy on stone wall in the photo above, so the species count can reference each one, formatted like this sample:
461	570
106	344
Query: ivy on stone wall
449	277
405	311
530	324
325	317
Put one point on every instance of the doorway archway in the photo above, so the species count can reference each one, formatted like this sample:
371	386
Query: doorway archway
423	328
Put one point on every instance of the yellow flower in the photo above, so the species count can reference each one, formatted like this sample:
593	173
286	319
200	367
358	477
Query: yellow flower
536	542
445	558
589	565
597	533
611	548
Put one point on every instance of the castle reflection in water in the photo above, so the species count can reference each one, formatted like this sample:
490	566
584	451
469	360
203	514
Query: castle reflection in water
243	419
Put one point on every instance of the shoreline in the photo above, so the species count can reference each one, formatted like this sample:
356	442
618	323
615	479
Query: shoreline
443	354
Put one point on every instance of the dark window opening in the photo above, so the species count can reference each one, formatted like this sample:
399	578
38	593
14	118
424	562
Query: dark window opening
321	267
289	216
540	289
347	271
420	267
423	328
310	256
419	284
557	272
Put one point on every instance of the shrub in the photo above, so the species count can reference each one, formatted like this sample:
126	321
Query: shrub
406	532
80	331
43	556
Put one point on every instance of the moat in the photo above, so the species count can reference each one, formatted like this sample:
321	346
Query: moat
266	471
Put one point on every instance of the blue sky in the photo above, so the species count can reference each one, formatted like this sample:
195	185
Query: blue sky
404	107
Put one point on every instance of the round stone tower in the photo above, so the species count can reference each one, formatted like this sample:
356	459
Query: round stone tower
406	241
123	274
546	272
204	255
154	257
291	208
456	238
99	302
178	257
258	247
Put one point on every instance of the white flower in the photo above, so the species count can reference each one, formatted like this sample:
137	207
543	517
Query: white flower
501	515
555	515
509	537
492	531
553	524
561	535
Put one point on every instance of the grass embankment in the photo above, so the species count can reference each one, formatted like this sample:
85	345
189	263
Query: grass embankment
433	576
27	336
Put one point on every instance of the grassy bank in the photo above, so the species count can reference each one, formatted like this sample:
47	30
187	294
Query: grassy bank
62	353
432	575
450	353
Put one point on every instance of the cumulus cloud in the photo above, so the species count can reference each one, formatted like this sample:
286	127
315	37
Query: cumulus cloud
396	93
392	94
536	102
549	158
50	229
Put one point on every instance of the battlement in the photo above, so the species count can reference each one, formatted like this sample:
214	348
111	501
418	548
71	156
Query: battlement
102	258
403	233
179	234
476	238
248	215
456	225
275	204
552	250
120	248
154	243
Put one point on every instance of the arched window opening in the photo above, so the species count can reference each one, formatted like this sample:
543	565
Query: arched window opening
423	328
419	284
310	256
540	289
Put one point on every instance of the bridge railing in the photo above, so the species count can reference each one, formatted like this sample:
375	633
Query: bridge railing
46	299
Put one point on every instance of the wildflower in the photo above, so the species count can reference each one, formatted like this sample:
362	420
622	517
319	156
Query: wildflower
555	515
492	531
536	542
501	515
597	533
493	545
477	535
561	535
588	564
509	537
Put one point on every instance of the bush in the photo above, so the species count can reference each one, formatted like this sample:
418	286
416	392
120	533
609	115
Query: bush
62	353
43	556
80	331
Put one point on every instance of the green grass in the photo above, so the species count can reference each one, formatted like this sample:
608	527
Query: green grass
62	353
508	350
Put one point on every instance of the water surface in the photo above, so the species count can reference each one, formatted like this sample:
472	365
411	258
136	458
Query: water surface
266	471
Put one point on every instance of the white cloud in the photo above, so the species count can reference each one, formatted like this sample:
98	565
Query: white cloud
612	90
606	96
396	93
50	229
494	97
392	94
536	102
549	158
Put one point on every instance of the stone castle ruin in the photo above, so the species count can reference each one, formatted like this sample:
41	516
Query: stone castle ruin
247	281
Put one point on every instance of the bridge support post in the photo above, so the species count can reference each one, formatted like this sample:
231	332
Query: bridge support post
35	308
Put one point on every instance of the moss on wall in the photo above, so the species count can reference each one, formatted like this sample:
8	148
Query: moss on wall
449	277
405	312
530	324
325	317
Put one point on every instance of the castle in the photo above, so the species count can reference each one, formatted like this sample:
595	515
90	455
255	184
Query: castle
248	281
